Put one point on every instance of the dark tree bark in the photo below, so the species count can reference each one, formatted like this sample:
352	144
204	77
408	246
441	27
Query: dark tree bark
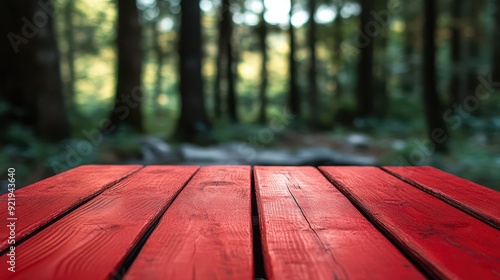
127	109
69	13
432	102
338	37
30	77
262	30
456	87
409	45
193	121
313	85
160	57
293	94
381	94
364	94
473	44
226	67
232	104
496	45
159	54
221	53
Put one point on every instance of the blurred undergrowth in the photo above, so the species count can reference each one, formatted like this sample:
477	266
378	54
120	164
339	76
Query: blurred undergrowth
474	146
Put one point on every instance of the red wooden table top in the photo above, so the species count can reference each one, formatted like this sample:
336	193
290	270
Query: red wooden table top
235	222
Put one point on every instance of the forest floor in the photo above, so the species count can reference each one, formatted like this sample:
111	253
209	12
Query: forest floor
475	158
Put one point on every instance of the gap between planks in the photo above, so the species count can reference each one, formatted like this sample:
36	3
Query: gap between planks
48	189
312	231
429	229
93	240
471	198
206	232
129	260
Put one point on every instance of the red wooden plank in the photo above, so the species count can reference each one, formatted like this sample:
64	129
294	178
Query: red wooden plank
44	201
474	199
311	231
446	242
92	241
206	233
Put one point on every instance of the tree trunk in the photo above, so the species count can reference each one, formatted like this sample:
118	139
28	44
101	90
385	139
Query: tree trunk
160	57
127	109
193	121
338	37
293	94
473	44
232	104
30	77
313	85
410	36
432	103
221	52
456	87
496	45
262	30
225	75
69	13
381	94
365	65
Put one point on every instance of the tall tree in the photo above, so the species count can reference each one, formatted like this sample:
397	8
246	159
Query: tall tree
127	109
496	44
411	41
262	31
473	43
219	64
227	22
364	94
69	14
293	89
193	120
312	73
455	87
226	66
338	37
381	94
159	53
160	58
30	76
432	102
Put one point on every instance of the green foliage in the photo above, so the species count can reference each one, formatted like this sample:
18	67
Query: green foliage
27	153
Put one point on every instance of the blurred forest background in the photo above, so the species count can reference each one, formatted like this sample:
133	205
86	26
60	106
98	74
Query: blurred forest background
385	82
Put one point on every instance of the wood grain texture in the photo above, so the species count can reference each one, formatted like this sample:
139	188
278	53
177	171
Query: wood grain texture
44	201
92	241
312	231
446	242
206	233
474	199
